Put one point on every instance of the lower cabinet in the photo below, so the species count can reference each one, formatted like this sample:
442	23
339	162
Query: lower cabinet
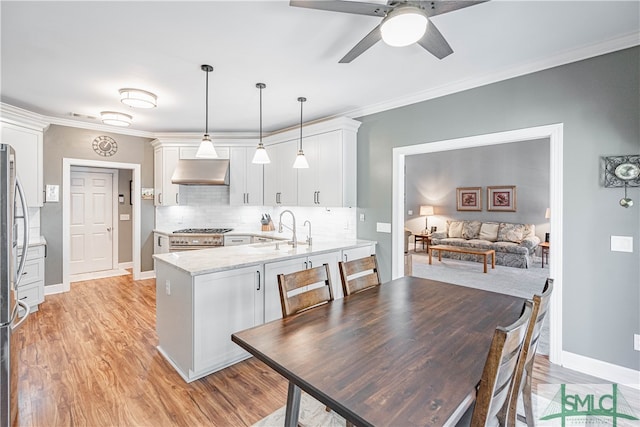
31	286
357	253
160	243
272	307
236	240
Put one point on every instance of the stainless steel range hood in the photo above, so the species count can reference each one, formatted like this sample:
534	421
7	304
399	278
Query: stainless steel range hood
201	172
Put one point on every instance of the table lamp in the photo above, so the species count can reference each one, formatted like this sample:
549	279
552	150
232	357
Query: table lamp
426	211
547	215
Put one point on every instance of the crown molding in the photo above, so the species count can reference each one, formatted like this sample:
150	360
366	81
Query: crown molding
586	52
313	128
21	117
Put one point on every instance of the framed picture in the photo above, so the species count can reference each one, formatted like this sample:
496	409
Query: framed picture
469	198
501	198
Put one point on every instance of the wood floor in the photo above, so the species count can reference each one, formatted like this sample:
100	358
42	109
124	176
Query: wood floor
88	358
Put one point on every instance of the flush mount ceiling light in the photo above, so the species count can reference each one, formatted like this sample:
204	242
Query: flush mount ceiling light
206	150
261	156
138	98
301	160
114	118
403	26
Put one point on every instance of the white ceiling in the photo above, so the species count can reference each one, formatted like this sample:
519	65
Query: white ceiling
60	58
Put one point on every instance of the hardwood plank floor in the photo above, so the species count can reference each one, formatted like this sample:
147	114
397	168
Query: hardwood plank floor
88	358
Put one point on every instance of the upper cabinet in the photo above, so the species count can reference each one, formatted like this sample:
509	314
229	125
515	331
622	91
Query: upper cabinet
165	160
27	143
280	178
245	178
330	179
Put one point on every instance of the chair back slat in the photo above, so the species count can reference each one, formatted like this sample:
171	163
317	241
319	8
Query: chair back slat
359	274
524	370
496	382
317	289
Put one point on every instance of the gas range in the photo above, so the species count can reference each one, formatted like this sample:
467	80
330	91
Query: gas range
196	238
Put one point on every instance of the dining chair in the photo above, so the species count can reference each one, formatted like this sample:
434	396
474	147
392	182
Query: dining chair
492	393
297	290
354	279
524	371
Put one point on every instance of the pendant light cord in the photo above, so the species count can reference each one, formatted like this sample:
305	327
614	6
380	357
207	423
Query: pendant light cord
261	86
206	104
302	100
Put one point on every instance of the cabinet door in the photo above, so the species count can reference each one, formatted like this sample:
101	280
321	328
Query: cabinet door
27	144
224	303
237	176
308	178
160	243
330	166
254	180
272	307
164	162
332	259
357	253
280	178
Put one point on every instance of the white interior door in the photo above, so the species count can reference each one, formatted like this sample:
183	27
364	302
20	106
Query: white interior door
91	221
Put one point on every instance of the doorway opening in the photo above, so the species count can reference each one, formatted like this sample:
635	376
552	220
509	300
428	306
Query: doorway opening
95	165
554	133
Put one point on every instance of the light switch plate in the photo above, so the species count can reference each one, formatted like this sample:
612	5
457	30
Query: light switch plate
361	217
621	243
52	193
383	227
636	342
124	217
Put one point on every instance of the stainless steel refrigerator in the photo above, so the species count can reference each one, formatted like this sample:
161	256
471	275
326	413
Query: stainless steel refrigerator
13	223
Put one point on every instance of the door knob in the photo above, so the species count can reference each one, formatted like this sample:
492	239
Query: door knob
109	229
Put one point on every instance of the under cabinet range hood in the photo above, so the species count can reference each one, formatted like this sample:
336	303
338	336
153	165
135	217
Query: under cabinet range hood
201	172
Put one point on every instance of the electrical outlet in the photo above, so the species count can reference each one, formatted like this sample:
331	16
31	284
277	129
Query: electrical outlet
410	212
167	287
636	342
361	217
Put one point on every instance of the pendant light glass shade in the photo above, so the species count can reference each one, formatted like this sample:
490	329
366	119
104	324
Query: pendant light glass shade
261	157
206	150
114	118
403	26
301	160
138	98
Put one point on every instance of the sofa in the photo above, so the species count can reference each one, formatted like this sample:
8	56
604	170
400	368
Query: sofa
514	243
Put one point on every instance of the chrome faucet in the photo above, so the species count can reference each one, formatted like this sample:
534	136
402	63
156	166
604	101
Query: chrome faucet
294	241
308	235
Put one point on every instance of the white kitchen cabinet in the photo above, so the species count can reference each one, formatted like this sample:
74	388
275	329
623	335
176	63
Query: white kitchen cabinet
236	240
31	286
357	253
27	144
197	315
245	178
165	160
330	179
280	178
160	243
272	307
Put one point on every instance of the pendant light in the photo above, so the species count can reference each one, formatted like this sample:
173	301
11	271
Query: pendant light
261	157
301	160
206	150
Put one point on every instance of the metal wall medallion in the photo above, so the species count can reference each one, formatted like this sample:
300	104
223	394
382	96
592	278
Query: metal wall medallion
621	171
105	146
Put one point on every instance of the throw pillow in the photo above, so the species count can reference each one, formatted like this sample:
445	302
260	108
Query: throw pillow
510	232
489	231
471	229
455	229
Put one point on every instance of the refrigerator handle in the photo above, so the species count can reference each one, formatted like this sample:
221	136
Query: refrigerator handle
25	235
27	310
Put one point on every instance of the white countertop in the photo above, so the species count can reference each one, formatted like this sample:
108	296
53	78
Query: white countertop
205	261
243	232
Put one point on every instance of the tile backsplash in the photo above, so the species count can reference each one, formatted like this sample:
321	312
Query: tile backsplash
208	206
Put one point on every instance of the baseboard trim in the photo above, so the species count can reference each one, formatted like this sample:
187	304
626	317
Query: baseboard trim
600	369
97	275
58	288
151	274
125	265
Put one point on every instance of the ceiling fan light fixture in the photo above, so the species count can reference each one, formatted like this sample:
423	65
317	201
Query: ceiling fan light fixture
403	26
138	98
114	118
206	150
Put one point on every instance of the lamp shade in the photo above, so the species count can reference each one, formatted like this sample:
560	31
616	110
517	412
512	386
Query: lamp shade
426	210
206	150
301	161
261	157
547	213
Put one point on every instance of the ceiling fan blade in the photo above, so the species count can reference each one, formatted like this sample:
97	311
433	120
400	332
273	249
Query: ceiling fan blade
369	40
359	8
434	42
434	8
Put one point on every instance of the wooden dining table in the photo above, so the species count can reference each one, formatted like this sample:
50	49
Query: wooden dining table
406	353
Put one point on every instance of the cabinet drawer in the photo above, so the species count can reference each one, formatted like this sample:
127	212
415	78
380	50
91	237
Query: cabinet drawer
236	240
33	272
33	252
32	294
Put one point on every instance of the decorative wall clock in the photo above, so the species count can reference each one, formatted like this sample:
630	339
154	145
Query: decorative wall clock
105	146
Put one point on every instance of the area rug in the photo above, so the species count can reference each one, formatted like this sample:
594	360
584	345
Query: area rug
519	282
314	414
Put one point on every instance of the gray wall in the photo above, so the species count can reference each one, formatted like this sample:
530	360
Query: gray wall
597	100
67	142
125	228
432	179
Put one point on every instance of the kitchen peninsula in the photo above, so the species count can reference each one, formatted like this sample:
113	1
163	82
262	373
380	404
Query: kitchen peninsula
204	296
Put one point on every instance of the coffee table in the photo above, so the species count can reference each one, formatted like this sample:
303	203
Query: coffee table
473	251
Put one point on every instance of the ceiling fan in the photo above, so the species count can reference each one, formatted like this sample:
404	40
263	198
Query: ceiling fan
403	22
